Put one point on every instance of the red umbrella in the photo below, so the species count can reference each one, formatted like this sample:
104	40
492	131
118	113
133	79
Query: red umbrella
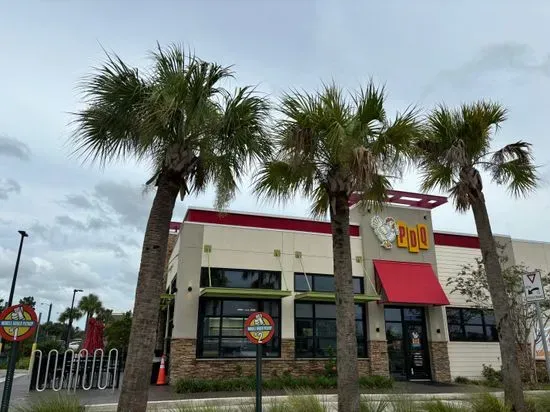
94	336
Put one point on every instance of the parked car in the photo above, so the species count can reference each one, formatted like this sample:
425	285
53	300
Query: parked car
75	344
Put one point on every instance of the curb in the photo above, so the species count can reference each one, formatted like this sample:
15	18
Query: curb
330	400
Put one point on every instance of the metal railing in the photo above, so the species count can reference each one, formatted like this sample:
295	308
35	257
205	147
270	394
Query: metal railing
75	371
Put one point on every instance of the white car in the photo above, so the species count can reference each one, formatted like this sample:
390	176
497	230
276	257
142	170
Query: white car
75	345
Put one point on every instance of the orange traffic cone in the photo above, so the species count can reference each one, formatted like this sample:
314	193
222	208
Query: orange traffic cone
161	379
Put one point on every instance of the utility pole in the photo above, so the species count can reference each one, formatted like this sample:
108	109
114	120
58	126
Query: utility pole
71	316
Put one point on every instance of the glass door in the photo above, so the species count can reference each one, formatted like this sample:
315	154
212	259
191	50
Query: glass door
407	343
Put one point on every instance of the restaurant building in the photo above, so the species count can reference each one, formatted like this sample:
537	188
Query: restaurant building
409	325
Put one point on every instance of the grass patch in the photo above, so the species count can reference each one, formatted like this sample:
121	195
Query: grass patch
441	406
57	403
486	402
248	383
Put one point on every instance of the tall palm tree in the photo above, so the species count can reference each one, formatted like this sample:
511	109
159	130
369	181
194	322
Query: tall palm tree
453	152
177	117
90	305
331	145
66	315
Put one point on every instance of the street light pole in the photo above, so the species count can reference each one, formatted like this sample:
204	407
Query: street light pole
23	236
49	311
12	290
71	316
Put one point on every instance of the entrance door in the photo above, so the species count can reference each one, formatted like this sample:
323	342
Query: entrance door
407	343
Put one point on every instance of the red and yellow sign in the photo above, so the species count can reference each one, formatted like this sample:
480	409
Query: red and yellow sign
259	328
414	238
17	323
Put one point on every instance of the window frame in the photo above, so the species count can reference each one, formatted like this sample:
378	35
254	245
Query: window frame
314	276
313	318
274	345
204	272
462	324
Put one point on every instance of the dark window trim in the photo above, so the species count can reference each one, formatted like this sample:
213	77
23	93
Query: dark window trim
462	324
318	275
202	316
315	319
204	269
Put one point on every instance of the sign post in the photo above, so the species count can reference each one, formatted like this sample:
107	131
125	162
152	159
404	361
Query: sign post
17	323
534	293
259	329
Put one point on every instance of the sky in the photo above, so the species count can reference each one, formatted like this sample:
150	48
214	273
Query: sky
86	223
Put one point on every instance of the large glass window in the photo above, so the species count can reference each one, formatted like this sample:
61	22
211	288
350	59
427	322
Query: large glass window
221	328
240	278
322	283
471	325
315	329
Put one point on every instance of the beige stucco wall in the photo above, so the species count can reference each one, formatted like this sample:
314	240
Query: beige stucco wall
534	255
372	250
250	248
188	269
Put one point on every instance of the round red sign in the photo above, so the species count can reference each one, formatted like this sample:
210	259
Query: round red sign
259	328
17	323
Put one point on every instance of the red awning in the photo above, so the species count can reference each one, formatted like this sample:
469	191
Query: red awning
410	283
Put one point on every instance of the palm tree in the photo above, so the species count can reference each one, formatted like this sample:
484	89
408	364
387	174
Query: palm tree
90	305
178	117
330	146
453	152
66	315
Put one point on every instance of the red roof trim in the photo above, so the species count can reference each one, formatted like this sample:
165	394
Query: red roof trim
450	239
264	222
302	225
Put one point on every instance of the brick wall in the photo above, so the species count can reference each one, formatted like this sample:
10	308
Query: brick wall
183	363
439	358
378	353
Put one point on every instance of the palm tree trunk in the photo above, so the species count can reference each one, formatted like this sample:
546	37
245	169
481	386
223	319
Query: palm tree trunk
346	343
513	387
137	374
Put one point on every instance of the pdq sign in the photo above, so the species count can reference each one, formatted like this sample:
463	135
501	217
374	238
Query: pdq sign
388	230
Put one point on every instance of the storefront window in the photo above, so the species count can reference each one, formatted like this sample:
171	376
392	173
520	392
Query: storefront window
322	283
315	329
221	328
240	278
471	325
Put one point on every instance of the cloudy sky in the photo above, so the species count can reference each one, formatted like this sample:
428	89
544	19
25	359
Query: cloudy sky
86	224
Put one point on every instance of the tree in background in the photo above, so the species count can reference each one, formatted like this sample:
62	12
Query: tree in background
471	282
105	315
28	300
117	333
90	305
456	146
179	119
67	314
331	146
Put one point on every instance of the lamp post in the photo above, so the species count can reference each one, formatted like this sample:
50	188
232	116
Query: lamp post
23	236
49	311
75	291
12	290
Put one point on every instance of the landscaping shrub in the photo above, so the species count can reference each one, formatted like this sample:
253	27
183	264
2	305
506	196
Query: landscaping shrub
491	374
488	403
286	381
374	406
54	404
440	406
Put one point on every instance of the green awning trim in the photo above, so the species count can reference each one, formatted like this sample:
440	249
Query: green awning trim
331	297
244	293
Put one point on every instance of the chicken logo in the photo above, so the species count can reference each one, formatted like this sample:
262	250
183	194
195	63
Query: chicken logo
17	323
259	328
385	230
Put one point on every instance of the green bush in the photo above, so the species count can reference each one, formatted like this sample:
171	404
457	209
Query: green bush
491	374
48	345
54	404
374	406
440	406
539	403
23	363
488	403
286	381
462	380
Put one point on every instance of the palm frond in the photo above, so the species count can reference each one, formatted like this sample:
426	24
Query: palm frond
513	166
435	175
320	202
460	194
376	194
278	181
108	129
